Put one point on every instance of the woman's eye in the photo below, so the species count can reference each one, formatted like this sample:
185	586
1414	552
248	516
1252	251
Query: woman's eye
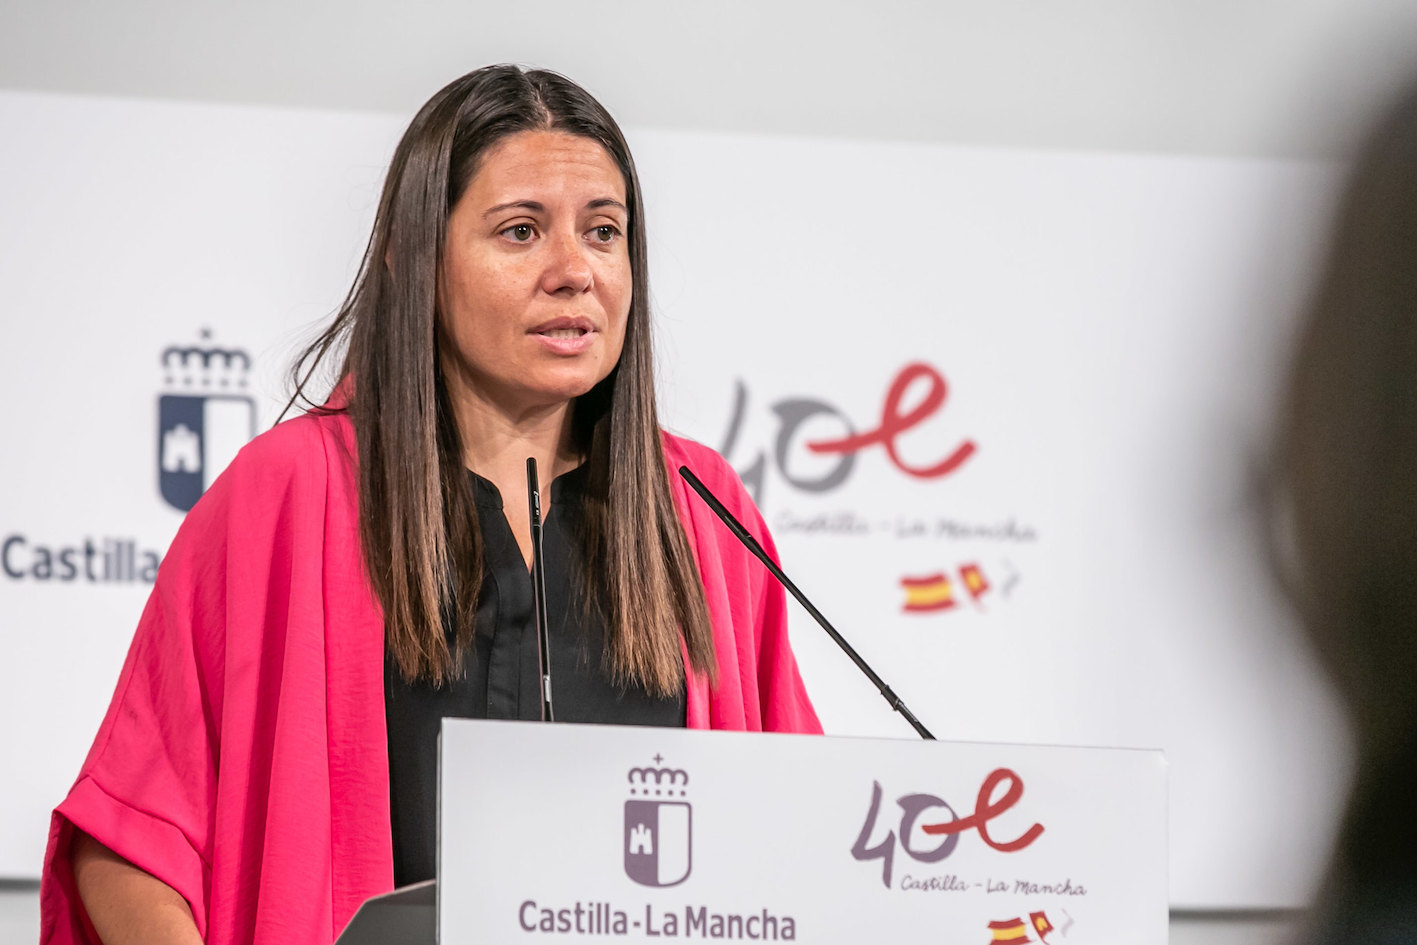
604	234
522	232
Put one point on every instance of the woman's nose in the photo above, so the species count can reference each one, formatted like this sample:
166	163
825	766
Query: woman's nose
568	270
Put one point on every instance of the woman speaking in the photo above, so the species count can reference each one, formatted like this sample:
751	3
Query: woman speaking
361	571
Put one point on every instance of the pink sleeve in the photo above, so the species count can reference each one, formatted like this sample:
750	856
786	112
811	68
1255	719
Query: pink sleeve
786	706
243	760
759	686
146	789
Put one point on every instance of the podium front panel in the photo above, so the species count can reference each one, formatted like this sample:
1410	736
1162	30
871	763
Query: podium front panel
580	833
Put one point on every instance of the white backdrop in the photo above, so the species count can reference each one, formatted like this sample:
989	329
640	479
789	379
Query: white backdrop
1108	328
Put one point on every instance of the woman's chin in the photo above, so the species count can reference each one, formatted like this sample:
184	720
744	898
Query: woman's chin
562	386
531	390
560	393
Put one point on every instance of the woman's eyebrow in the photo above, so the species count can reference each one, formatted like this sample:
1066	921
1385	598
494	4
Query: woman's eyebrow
531	205
534	207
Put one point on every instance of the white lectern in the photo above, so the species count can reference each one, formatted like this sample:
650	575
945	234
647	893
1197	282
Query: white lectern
579	833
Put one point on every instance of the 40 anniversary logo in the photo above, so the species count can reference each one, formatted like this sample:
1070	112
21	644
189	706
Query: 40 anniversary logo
792	414
912	806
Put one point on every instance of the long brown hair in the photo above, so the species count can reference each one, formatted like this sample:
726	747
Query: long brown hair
1345	492
418	523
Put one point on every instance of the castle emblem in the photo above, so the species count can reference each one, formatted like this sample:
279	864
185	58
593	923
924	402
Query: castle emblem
658	826
202	420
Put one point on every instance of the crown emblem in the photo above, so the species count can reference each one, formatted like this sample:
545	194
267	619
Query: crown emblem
194	369
658	782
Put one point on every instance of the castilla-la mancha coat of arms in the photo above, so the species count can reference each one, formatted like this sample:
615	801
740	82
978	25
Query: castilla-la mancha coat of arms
658	826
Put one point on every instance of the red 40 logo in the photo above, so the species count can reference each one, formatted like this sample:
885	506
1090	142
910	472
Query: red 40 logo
895	421
912	806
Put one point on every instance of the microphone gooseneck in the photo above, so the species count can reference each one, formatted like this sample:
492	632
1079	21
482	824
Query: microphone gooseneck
538	591
749	542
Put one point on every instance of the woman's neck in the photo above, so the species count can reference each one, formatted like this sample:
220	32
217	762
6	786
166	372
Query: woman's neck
499	429
496	445
497	442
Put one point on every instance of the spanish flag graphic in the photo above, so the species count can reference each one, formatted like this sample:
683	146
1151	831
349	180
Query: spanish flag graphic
1009	932
1015	931
974	580
1041	925
925	594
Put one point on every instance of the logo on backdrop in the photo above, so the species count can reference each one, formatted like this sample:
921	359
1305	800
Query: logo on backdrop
1016	931
895	421
203	419
912	806
658	826
812	445
931	593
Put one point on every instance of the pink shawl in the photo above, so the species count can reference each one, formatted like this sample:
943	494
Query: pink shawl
244	760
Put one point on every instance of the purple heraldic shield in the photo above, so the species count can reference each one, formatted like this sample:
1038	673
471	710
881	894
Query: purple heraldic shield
658	828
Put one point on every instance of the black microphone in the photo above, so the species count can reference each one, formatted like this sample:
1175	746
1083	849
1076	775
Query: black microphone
752	545
538	591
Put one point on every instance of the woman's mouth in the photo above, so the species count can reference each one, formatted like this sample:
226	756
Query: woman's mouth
565	336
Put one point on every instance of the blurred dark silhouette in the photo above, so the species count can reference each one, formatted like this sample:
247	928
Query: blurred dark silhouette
1344	511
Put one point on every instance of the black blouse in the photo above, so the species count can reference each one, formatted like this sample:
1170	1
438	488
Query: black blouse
500	678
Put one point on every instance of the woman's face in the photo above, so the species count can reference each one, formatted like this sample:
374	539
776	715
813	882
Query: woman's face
536	283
